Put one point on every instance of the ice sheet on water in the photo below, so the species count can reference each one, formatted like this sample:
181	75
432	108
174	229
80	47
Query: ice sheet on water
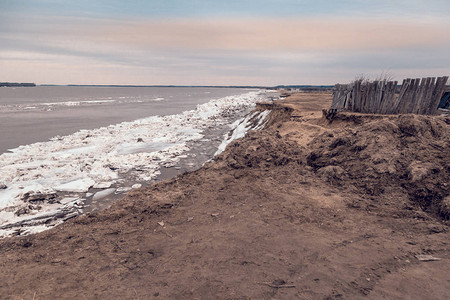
76	103
76	162
103	185
78	186
131	148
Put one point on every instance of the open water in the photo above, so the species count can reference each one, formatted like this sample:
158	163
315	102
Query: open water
35	114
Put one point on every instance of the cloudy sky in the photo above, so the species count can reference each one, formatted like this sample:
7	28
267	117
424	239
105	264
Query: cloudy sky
221	42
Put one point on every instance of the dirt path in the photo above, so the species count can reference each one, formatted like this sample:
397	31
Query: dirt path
306	209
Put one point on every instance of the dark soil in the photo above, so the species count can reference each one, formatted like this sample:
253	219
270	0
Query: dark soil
308	208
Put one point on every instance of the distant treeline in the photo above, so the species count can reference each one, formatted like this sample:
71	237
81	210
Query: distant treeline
15	84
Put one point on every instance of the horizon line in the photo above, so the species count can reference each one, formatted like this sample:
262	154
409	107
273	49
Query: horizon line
175	85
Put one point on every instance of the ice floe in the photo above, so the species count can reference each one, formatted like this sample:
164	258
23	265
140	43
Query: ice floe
103	194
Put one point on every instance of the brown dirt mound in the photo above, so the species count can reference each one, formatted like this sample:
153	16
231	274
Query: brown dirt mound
410	153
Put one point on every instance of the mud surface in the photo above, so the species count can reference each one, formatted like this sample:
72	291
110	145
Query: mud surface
308	208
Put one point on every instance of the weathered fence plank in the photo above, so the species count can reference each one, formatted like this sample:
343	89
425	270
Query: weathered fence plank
437	95
416	95
429	94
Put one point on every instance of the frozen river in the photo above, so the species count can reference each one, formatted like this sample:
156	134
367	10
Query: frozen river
77	151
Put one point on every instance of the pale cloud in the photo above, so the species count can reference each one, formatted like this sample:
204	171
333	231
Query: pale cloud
231	51
276	34
239	34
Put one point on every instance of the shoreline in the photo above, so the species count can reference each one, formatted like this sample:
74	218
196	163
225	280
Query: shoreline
199	153
44	204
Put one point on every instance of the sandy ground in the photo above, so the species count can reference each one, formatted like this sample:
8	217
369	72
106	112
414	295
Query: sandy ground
308	208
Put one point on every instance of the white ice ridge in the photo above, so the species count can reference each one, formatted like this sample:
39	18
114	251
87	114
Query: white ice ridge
76	103
48	106
76	162
239	128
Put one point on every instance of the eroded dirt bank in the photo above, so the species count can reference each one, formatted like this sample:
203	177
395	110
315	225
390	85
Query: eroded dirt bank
308	208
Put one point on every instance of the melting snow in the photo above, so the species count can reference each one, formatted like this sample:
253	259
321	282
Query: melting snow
241	126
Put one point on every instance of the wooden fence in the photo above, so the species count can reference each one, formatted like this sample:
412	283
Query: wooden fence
418	96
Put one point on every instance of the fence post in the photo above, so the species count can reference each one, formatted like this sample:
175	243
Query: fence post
437	95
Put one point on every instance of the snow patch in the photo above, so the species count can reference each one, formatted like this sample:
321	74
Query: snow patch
240	128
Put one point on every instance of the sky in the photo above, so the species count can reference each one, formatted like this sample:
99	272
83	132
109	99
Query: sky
232	42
